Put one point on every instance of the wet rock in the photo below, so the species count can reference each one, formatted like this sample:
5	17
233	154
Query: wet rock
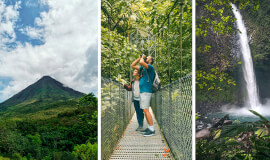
204	133
199	125
209	125
218	123
215	120
226	122
203	129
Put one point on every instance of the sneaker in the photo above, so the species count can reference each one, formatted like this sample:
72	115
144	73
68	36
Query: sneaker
139	129
149	133
144	131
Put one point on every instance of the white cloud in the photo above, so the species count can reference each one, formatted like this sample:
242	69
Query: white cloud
8	17
32	32
70	38
30	3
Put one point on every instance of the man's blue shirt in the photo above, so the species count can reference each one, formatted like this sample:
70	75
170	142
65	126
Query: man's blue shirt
144	85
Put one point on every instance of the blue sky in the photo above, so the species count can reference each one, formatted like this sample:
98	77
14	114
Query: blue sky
4	81
48	37
29	10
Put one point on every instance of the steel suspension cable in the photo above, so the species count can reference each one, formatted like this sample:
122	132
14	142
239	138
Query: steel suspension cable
181	38
168	49
110	59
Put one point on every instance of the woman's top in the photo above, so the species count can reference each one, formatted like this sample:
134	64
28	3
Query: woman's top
135	88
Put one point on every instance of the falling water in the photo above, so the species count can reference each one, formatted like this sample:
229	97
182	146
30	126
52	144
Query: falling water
249	76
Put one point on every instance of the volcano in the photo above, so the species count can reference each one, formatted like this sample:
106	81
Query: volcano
44	94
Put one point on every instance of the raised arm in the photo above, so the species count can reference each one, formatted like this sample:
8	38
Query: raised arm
134	64
142	62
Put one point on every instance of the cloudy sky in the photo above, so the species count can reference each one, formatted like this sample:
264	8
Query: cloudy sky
48	37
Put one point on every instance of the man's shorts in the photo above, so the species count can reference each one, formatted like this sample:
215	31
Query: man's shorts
145	99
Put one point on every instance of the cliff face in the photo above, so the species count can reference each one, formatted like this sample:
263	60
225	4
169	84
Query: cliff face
258	23
221	45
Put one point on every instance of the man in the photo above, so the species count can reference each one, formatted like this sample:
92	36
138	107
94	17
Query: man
148	75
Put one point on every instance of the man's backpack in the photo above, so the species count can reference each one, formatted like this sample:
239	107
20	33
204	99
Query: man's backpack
156	82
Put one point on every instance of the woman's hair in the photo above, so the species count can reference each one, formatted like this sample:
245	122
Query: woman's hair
138	71
152	60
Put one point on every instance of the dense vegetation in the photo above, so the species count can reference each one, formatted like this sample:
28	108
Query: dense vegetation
246	140
68	134
165	28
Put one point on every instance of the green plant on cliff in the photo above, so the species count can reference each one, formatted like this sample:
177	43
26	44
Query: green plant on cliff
258	29
219	84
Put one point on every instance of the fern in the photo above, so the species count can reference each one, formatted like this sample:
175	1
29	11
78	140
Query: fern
236	129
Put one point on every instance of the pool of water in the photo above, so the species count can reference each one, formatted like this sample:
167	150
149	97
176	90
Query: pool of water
235	116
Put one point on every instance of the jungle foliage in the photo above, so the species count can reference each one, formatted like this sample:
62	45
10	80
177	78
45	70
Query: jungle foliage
71	134
160	24
238	141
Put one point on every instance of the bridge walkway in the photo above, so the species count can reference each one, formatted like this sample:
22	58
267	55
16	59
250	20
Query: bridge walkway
133	145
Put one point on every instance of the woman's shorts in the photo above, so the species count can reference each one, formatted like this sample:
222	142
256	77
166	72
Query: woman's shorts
145	100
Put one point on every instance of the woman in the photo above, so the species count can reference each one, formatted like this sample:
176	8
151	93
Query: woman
134	87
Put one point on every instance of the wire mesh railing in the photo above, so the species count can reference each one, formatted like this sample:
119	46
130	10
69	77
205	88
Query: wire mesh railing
172	106
116	111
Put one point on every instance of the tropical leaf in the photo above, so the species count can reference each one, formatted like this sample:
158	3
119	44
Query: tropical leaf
257	114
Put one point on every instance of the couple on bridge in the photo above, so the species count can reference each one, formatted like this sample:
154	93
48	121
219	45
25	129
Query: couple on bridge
141	87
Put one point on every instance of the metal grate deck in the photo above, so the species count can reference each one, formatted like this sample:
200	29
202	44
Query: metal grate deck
133	145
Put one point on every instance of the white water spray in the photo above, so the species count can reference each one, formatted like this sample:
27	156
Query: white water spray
249	76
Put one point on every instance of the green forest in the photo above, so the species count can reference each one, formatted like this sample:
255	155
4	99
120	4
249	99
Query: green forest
162	29
219	78
69	134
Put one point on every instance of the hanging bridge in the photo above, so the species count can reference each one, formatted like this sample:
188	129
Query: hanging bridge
172	114
171	107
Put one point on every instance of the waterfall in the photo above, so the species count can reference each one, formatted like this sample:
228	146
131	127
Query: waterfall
252	100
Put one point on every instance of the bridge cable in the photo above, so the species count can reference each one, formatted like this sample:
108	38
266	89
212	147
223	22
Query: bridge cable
181	38
110	59
168	50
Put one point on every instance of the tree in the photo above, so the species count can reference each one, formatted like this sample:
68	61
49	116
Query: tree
86	151
165	26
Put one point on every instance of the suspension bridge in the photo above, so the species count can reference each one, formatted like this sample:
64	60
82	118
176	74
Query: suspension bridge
171	106
172	110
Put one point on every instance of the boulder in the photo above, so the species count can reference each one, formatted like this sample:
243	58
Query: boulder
226	122
204	133
218	123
